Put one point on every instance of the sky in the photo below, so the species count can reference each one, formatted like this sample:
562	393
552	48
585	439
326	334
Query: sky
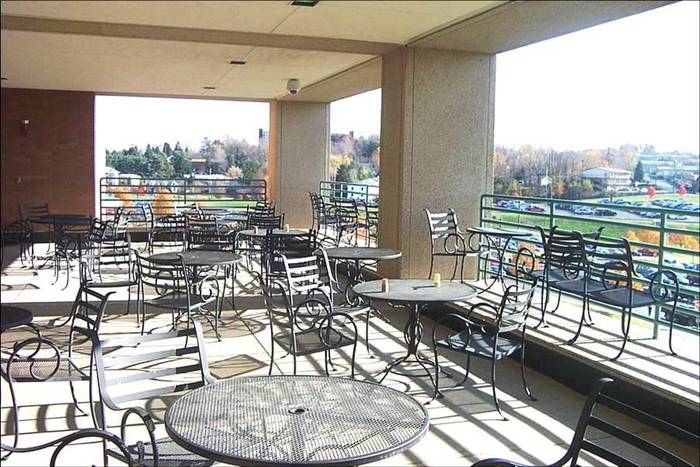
635	80
629	81
124	121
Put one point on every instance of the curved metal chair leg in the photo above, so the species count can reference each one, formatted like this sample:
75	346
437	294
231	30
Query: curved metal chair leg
75	399
580	323
625	333
272	358
670	329
466	371
436	392
522	372
432	263
493	388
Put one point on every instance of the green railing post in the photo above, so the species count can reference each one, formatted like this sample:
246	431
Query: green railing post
551	214
660	265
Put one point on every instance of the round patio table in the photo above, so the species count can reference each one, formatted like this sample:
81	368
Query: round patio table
358	254
413	295
263	232
204	258
494	234
296	420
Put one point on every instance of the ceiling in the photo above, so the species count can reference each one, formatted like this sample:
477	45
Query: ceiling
184	48
179	48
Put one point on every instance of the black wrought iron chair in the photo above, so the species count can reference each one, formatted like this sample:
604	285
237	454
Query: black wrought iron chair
18	233
211	235
111	265
499	333
609	264
277	247
172	362
562	261
53	359
350	304
308	325
179	290
625	441
346	221
446	240
27	212
369	221
168	230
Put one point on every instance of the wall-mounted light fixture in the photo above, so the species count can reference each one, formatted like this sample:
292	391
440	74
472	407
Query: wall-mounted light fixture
24	126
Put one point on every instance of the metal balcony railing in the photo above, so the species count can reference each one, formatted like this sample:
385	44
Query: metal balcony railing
166	193
660	238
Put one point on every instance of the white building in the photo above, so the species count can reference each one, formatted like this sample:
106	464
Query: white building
608	178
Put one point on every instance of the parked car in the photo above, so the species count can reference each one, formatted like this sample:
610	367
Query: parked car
534	208
604	212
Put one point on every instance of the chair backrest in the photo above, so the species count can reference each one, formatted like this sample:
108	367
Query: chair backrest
514	307
148	216
563	249
123	364
209	235
290	246
262	208
265	222
165	276
29	211
441	225
346	211
109	254
306	276
172	223
624	438
610	261
86	313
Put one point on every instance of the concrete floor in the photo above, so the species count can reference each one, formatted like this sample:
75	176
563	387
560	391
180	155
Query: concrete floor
464	427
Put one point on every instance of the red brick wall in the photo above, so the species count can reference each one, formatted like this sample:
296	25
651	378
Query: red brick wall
53	159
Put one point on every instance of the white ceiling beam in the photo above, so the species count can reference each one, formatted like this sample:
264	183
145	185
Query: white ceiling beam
210	36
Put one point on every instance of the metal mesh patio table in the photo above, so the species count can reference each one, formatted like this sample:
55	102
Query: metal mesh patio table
296	420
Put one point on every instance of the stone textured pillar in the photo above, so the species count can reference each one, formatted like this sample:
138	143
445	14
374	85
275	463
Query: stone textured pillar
437	148
298	157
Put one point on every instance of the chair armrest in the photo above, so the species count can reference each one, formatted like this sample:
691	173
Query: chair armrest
659	291
147	422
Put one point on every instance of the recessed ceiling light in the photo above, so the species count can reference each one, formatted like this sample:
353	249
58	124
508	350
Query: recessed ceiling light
308	3
237	62
208	87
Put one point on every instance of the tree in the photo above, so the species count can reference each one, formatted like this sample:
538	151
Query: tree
651	191
682	190
234	172
182	166
638	176
344	174
167	150
250	169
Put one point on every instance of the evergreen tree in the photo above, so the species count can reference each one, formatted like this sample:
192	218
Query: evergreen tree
167	150
638	176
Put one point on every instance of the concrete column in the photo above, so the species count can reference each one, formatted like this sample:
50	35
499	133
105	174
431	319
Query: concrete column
298	156
437	148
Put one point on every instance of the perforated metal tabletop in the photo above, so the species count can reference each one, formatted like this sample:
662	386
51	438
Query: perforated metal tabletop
295	420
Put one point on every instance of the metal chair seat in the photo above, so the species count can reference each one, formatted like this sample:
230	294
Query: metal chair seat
555	275
578	286
481	344
309	341
41	369
170	454
621	297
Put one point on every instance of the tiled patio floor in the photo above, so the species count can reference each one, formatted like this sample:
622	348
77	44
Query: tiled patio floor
464	425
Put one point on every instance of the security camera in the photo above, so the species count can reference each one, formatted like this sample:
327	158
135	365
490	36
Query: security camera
293	86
